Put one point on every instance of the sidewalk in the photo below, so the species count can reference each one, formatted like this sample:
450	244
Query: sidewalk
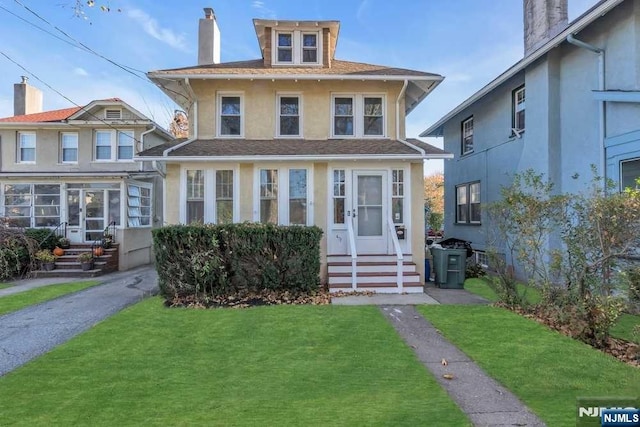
35	330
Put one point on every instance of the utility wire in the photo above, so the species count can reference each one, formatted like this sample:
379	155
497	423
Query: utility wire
82	107
125	68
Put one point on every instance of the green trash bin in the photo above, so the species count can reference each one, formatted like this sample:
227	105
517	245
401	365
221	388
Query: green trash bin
449	266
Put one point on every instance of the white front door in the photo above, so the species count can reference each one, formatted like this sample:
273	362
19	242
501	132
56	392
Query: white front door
74	216
85	214
370	211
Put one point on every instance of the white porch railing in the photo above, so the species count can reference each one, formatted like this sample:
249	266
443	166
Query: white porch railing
354	254
400	258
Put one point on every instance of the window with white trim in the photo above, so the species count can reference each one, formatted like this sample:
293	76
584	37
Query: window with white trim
357	115
295	47
195	196
298	202
114	145
32	205
518	122
138	206
210	196
397	195
467	136
468	210
230	115
339	195
269	195
224	197
289	116
69	147
26	147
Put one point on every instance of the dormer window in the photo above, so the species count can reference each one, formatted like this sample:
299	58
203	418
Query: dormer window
297	48
285	47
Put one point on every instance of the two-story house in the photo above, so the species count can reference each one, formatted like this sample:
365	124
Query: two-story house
572	101
298	137
74	168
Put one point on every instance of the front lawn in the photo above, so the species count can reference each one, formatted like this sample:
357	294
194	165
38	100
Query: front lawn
278	365
545	369
5	285
14	302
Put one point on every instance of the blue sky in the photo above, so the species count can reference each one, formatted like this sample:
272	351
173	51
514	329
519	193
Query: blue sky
470	42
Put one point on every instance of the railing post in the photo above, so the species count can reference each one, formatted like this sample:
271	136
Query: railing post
354	255
400	258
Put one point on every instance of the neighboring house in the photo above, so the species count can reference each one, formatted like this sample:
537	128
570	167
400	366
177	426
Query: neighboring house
579	86
75	167
298	137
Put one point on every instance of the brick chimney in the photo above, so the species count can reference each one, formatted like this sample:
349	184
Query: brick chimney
26	98
208	39
543	20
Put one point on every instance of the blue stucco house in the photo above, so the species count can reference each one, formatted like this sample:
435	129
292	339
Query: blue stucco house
572	101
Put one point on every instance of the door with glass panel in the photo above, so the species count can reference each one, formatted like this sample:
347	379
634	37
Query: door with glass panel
90	210
370	211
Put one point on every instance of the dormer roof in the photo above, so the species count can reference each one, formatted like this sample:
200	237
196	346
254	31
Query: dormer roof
262	24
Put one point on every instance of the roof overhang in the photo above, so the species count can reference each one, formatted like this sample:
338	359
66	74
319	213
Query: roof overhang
578	25
177	87
251	159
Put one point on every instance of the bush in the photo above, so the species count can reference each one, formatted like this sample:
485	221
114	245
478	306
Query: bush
16	253
236	259
43	237
473	269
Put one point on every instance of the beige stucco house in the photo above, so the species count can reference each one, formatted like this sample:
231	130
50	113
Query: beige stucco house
298	137
74	169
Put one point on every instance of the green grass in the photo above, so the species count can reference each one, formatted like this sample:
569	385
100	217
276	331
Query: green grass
271	366
479	287
545	369
622	329
5	285
13	302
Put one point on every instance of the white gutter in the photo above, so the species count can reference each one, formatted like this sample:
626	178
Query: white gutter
275	158
250	76
141	166
602	134
166	152
400	95
586	19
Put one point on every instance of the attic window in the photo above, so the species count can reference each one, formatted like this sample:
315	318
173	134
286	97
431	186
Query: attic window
295	47
113	114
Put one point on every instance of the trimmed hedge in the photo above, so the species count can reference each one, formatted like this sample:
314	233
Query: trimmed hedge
236	259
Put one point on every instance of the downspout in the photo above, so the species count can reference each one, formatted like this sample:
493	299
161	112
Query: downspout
195	108
601	87
141	166
400	95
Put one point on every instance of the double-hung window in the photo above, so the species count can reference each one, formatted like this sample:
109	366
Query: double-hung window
69	147
357	116
114	145
26	147
230	109
283	196
289	113
295	47
518	109
467	136
468	203
269	195
298	197
209	196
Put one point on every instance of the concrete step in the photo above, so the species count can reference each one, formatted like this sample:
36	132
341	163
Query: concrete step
368	258
388	287
375	277
370	267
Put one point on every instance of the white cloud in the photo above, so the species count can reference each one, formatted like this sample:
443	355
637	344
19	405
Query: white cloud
80	72
362	9
151	27
263	10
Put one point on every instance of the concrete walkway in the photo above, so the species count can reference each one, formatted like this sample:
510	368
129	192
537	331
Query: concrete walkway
37	329
485	402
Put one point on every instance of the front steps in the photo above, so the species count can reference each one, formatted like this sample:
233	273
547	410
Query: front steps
376	273
68	266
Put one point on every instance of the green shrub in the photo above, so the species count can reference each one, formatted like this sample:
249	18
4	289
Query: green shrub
16	253
43	237
236	258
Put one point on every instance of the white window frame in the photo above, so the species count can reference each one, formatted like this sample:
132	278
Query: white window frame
114	144
74	135
20	147
210	214
467	136
519	107
335	195
283	191
358	114
219	97
136	202
398	192
468	193
278	47
32	206
129	139
297	47
279	97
